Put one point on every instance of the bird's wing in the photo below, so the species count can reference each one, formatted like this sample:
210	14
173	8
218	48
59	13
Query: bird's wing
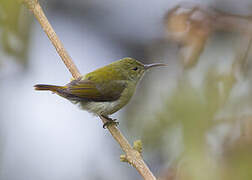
92	91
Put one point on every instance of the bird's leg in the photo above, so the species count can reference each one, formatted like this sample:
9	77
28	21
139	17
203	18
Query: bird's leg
109	122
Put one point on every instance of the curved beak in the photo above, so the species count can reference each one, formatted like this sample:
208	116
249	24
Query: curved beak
148	66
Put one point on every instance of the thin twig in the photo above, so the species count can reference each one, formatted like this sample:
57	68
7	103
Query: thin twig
132	155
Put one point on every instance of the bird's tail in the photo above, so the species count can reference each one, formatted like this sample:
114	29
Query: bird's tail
45	87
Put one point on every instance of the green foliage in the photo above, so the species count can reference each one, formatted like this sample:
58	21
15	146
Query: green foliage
194	111
14	30
138	146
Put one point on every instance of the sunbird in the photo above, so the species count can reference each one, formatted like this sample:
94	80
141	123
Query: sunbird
105	90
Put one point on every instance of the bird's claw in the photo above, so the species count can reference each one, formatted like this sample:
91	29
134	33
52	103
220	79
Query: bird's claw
110	122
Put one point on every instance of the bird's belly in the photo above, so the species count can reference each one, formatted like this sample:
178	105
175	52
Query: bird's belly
102	108
107	108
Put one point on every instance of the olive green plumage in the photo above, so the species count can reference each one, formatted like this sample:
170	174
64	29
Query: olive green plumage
105	90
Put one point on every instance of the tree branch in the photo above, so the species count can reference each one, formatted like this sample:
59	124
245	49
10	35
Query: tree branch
132	156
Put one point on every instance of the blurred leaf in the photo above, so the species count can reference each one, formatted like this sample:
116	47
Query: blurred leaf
14	29
192	26
238	161
217	88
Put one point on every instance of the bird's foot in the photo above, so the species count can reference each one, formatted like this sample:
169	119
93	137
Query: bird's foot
109	122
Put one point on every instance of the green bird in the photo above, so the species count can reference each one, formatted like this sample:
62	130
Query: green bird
105	90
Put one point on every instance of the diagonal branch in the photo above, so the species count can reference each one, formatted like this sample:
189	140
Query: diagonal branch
132	156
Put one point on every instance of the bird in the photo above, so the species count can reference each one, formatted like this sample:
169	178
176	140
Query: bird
105	90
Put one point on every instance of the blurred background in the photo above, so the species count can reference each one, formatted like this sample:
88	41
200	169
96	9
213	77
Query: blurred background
194	117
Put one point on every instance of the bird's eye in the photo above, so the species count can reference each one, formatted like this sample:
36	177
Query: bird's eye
135	68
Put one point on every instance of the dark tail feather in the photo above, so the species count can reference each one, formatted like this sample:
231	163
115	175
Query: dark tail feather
45	87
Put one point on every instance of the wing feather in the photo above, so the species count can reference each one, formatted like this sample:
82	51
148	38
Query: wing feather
91	91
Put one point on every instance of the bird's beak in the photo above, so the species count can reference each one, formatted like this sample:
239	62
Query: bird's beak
148	66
